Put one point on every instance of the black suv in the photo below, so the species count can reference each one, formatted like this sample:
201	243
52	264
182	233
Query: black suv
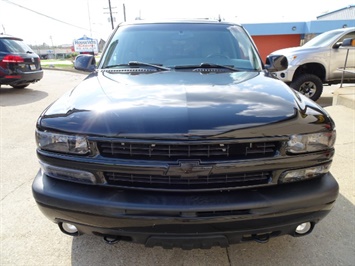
181	137
19	65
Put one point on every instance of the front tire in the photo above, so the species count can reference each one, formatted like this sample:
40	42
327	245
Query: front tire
309	85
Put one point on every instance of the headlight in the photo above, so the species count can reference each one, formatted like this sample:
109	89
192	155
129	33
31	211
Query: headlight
62	143
305	173
311	142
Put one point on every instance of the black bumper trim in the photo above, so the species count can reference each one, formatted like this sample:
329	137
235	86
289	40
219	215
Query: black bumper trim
141	215
26	77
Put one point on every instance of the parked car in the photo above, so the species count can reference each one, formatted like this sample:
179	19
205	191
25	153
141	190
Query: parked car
318	62
19	65
181	137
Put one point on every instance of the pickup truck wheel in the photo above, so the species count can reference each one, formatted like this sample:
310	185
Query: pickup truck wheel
309	85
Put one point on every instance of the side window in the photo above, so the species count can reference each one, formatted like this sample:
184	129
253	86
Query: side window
2	46
349	35
111	54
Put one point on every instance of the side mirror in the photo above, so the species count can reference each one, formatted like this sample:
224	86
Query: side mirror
276	63
337	45
349	42
85	62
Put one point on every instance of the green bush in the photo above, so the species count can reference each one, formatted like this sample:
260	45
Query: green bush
71	56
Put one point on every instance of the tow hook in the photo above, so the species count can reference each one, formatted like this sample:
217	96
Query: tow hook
264	238
112	239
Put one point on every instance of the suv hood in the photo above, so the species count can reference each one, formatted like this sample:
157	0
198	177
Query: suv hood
296	50
175	104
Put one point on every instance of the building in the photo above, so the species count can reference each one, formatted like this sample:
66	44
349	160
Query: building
343	13
270	37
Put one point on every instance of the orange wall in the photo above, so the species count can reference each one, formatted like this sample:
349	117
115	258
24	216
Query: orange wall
268	43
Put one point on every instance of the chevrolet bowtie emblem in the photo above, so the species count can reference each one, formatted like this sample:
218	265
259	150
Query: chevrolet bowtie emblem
189	169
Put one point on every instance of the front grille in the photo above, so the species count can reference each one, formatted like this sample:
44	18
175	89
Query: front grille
162	182
171	151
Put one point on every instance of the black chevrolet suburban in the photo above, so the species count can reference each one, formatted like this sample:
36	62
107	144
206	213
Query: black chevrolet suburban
182	137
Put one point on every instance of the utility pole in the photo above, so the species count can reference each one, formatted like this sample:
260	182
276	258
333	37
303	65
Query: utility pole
112	19
109	6
89	18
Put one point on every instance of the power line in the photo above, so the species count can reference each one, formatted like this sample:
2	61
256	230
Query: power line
44	15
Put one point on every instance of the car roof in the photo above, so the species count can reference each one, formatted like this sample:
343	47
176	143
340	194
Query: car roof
342	30
5	36
178	21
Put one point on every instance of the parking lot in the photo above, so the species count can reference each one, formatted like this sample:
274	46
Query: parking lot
28	238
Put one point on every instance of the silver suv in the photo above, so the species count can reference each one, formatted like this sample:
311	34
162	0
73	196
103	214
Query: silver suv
317	62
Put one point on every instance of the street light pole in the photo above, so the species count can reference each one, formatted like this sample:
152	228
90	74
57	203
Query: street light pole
55	56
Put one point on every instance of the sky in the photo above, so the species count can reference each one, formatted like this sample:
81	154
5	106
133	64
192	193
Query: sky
60	22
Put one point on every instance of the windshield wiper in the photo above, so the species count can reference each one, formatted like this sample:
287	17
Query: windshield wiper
137	63
207	65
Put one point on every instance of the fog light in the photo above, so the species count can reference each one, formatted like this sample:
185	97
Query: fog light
303	228
68	174
69	229
304	173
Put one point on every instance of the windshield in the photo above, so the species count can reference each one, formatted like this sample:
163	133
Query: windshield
182	44
323	39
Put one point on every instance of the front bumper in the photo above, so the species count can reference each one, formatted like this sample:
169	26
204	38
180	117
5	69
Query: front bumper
185	219
287	74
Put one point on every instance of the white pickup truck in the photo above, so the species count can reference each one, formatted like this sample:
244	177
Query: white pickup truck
318	62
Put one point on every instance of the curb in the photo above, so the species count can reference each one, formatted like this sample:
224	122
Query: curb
65	69
345	96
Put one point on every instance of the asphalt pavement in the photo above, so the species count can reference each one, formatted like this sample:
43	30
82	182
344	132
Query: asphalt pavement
28	238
